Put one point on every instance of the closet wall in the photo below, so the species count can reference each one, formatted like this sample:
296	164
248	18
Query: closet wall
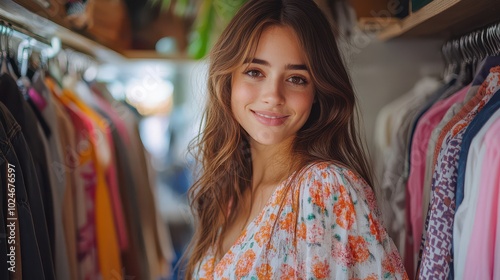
383	71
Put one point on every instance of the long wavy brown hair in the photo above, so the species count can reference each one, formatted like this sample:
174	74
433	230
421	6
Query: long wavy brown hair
222	147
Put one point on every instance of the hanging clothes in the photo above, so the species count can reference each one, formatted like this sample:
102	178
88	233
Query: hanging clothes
437	240
70	204
104	239
38	185
421	137
465	214
476	125
84	93
450	171
481	258
83	205
158	247
44	104
398	121
15	151
85	168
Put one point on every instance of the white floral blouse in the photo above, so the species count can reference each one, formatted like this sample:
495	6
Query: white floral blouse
328	229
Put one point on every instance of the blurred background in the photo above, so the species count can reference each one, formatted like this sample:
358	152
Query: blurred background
150	56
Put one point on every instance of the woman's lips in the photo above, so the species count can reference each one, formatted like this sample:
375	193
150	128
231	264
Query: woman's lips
269	118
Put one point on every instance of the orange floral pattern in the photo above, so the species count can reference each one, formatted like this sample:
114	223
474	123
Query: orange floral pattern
263	235
333	232
287	272
302	231
245	263
264	272
288	222
359	248
375	227
321	269
344	210
317	195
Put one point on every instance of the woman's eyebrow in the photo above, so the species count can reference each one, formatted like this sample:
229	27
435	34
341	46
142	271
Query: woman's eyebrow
296	67
257	61
287	67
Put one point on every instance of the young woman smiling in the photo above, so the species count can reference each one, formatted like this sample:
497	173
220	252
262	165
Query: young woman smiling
284	191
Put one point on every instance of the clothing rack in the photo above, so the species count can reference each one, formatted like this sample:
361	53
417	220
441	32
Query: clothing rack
26	42
473	47
434	164
8	31
75	196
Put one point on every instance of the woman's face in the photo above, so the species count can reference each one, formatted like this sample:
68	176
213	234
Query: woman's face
272	95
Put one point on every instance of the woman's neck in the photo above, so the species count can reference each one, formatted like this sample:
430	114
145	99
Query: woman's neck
270	164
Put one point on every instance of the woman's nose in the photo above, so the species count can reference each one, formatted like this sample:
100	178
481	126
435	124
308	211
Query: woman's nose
273	93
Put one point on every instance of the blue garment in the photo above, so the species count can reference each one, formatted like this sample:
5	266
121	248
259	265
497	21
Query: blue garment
475	126
484	69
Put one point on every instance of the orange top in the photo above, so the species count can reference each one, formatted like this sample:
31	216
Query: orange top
107	238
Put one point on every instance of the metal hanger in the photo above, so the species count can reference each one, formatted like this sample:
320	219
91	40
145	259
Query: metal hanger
3	56
24	51
496	34
10	65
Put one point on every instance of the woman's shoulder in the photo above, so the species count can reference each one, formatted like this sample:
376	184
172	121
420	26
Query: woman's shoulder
332	175
326	184
328	170
338	226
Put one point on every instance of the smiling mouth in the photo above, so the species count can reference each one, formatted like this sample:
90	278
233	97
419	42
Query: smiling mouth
268	116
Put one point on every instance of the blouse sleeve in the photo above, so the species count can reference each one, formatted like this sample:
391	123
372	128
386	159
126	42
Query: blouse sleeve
339	234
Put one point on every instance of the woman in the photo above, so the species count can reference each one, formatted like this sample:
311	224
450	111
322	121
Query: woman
285	188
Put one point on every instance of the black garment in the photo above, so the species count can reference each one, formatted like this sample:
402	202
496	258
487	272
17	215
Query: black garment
4	273
37	184
15	151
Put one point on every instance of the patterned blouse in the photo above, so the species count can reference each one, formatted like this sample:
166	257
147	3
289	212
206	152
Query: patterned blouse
328	228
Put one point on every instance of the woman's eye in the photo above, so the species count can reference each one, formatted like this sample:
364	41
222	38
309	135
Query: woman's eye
253	73
297	80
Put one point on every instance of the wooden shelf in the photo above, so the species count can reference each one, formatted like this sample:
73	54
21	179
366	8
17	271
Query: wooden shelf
36	25
147	54
445	19
39	28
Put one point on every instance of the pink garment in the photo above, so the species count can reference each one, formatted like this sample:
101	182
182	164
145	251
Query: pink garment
481	250
114	112
109	169
38	99
111	173
496	261
415	183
